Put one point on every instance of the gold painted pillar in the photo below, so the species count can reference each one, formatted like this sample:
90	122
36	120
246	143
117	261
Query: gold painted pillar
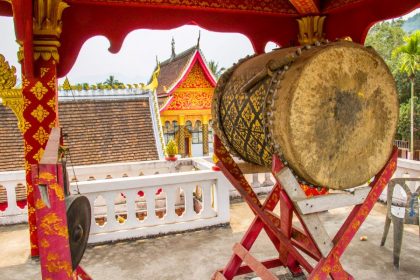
181	135
205	131
39	93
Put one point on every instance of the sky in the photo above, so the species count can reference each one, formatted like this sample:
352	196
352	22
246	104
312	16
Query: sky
137	57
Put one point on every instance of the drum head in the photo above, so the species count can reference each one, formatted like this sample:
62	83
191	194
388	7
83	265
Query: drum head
336	115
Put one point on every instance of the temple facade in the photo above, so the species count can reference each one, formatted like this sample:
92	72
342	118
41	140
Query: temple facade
185	90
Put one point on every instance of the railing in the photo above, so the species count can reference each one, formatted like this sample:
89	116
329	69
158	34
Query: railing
401	144
13	208
141	206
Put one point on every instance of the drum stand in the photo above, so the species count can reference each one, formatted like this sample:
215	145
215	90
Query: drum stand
51	218
313	239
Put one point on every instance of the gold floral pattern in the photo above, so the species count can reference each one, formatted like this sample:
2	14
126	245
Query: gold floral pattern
40	113
39	90
51	103
41	136
38	155
43	71
52	83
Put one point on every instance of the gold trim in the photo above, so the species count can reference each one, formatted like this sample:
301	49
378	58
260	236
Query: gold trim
311	29
154	83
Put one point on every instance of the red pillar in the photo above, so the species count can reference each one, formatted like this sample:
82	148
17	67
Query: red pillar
40	114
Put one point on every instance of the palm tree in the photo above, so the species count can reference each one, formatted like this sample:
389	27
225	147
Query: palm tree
214	67
111	81
409	59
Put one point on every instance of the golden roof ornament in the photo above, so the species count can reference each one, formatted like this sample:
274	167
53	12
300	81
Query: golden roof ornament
7	74
12	97
311	29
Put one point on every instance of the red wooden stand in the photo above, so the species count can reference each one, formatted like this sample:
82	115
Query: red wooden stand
51	217
287	238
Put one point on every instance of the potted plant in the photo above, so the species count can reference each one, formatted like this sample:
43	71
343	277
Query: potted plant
171	150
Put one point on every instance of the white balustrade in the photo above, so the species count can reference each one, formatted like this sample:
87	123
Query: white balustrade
174	187
13	214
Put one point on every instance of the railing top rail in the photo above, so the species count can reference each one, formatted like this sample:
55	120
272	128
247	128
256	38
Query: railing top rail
137	182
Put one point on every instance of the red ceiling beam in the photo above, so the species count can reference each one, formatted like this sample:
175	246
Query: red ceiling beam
305	7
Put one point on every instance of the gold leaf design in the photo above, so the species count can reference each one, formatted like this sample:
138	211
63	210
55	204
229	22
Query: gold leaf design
44	71
38	155
51	83
24	125
51	103
39	90
52	224
40	113
41	136
7	74
39	204
27	148
47	176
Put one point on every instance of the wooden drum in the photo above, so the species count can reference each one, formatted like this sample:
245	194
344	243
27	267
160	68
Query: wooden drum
329	111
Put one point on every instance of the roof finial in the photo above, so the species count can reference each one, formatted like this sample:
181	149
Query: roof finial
173	48
198	39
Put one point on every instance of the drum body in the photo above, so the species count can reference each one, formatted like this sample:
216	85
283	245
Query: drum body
330	112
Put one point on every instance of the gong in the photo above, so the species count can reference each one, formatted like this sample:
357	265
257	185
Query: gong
78	223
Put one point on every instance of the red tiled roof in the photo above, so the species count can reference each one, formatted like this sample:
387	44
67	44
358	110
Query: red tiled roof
11	141
99	131
172	69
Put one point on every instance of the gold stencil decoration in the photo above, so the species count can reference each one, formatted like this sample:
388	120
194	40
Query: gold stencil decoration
38	155
41	136
51	103
27	148
311	29
44	71
39	90
40	113
52	83
7	74
66	85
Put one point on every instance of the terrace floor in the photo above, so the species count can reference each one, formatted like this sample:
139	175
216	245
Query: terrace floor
196	255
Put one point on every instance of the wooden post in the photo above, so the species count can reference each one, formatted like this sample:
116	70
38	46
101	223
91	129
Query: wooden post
40	110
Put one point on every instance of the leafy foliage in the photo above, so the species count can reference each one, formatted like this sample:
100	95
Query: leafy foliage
403	130
401	54
214	67
112	82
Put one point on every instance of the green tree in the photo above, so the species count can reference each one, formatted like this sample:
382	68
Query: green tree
214	67
384	37
111	81
404	126
409	63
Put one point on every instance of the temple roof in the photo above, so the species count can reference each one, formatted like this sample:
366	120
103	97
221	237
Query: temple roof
99	131
175	69
260	21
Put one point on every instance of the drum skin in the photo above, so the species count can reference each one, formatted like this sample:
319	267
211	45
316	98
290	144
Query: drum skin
329	111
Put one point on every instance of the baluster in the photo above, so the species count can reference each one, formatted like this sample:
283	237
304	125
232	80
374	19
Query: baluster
149	194
130	201
189	207
207	210
170	192
255	183
267	180
12	207
111	222
94	228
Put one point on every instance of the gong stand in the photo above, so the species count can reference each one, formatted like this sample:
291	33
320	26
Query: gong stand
51	219
289	240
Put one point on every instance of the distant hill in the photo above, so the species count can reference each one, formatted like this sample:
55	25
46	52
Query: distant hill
412	23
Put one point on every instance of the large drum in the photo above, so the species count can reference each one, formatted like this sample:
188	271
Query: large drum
329	111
